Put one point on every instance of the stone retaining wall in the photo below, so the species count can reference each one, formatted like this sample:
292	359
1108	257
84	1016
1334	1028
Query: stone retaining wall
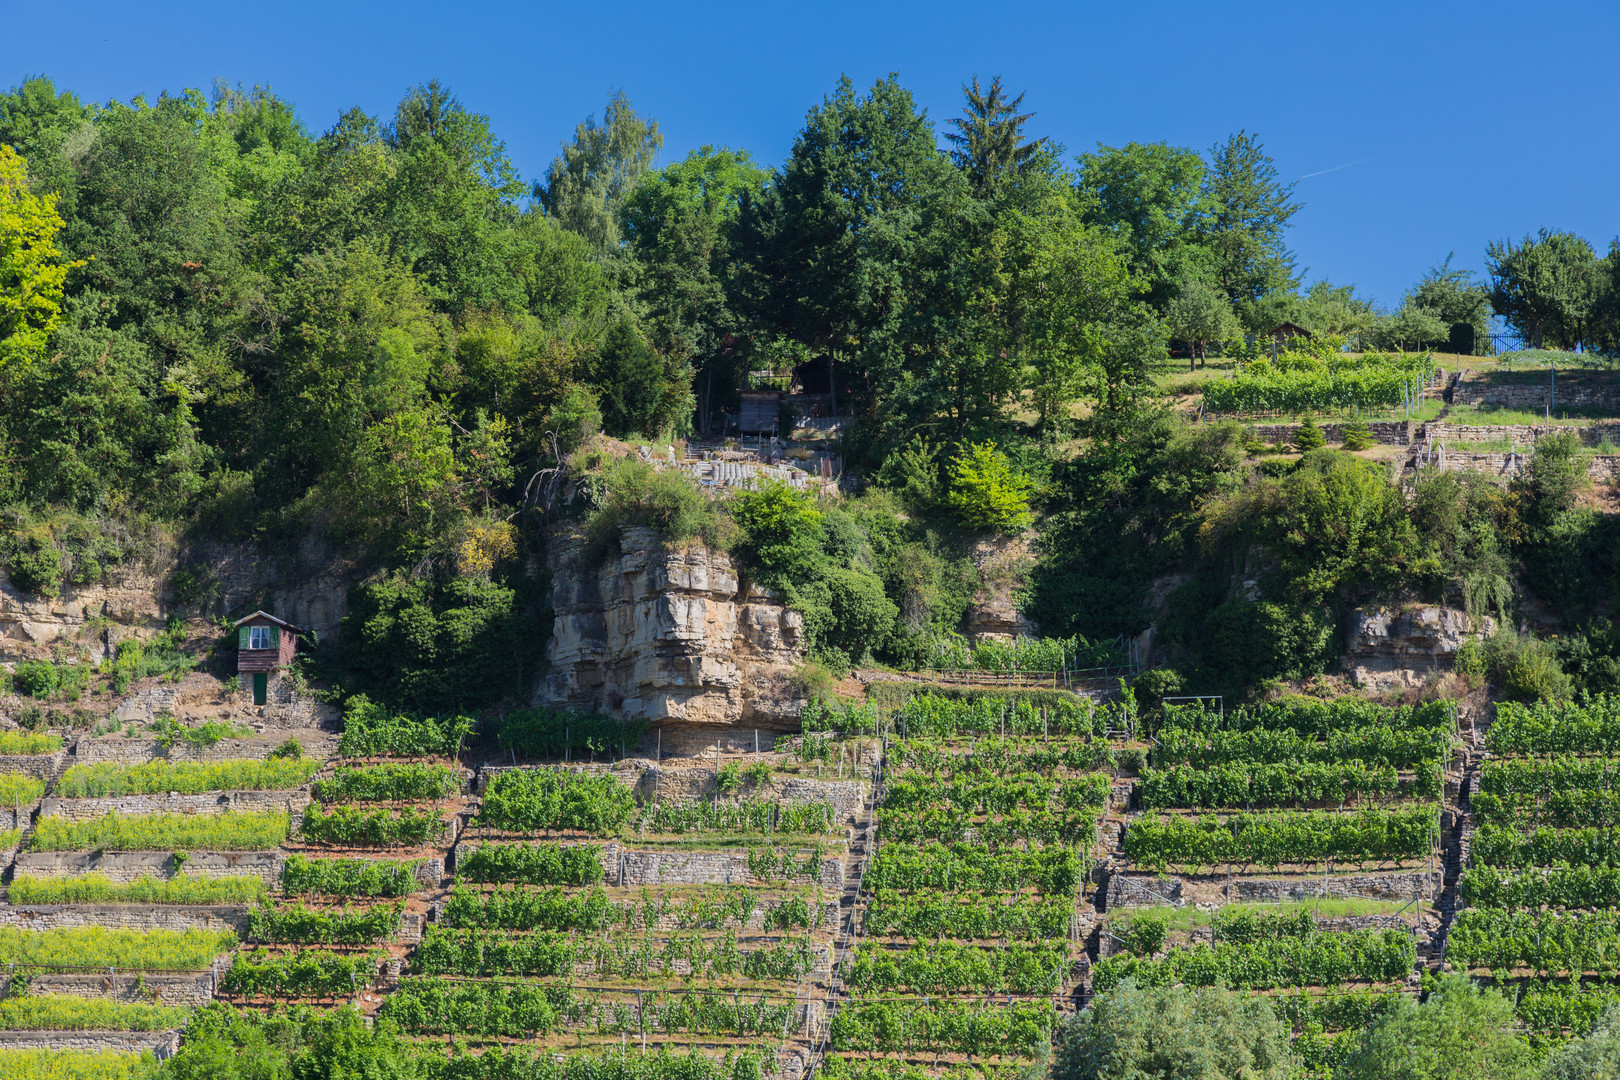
166	988
1516	434
181	917
316	744
1361	887
291	801
1516	395
1387	432
39	766
126	866
624	868
1602	468
162	1043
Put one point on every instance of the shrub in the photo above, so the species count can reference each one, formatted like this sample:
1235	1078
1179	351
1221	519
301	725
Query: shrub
36	678
782	532
575	417
438	646
15	742
19	788
1357	435
36	568
1309	437
846	614
985	492
629	492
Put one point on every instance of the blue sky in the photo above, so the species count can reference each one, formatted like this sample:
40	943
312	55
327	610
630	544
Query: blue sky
1419	128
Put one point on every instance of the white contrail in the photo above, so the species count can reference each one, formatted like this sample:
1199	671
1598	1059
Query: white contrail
1335	168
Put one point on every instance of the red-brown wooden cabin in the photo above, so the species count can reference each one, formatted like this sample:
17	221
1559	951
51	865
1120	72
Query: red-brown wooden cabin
264	643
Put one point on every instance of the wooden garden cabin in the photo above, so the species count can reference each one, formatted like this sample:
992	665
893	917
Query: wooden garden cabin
264	644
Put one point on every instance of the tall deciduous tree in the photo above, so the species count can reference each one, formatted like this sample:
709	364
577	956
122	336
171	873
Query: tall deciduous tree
989	136
1248	211
1198	314
1545	287
679	221
32	268
1460	1033
1151	195
1457	300
1172	1033
589	183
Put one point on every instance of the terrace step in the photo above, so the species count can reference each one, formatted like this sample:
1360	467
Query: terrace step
68	759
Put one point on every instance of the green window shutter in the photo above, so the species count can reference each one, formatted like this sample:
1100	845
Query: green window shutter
275	637
242	637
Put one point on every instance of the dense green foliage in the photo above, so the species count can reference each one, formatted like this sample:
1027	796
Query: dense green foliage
109	778
532	800
369	730
386	783
578	864
97	888
229	831
59	1013
348	877
93	947
1139	1031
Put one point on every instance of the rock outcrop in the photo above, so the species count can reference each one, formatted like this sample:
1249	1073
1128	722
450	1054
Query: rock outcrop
669	636
1385	647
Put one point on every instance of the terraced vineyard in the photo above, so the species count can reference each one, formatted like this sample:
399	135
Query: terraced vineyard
924	890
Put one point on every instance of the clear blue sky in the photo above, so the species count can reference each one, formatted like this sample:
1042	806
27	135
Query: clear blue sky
1419	128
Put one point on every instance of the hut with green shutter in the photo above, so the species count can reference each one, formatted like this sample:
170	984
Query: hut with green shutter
264	645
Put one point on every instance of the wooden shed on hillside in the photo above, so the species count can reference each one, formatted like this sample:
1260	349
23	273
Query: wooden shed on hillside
264	644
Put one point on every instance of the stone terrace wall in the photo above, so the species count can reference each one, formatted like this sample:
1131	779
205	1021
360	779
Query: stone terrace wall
1516	434
1388	432
179	917
316	744
170	988
1602	468
126	866
1570	393
627	868
212	802
162	1043
39	766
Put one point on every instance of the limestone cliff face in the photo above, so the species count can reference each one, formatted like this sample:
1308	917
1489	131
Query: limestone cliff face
1385	648
668	636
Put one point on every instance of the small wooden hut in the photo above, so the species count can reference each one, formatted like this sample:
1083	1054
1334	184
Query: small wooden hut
264	644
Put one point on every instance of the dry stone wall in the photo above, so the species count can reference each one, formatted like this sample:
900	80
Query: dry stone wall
126	866
1570	393
180	917
165	988
163	1044
319	744
212	802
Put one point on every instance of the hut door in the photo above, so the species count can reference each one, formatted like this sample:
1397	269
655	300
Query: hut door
261	682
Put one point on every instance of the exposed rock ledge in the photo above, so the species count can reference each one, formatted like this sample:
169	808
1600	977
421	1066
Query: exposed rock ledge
668	636
1385	648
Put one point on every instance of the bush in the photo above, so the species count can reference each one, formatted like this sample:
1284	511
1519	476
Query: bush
1245	643
985	492
628	492
439	646
36	568
575	417
846	614
36	678
782	532
1357	435
1522	665
1309	437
